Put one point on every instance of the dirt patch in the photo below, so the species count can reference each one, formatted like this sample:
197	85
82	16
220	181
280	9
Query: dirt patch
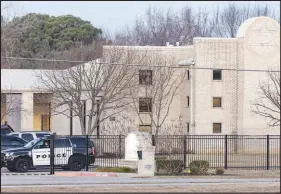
232	174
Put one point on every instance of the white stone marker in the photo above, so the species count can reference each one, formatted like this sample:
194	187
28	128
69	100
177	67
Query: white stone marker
146	166
133	141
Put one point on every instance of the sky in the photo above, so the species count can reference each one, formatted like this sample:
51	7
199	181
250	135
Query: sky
112	16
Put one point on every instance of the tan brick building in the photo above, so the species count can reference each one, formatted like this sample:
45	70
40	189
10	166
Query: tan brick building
222	98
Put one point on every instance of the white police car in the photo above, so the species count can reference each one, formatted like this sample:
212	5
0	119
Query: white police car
37	154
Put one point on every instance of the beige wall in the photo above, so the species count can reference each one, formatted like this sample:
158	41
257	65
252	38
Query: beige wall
39	110
261	51
215	53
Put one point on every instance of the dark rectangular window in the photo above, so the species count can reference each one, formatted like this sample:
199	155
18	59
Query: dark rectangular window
62	143
145	77
187	101
216	127
145	105
187	128
216	102
216	74
188	75
27	136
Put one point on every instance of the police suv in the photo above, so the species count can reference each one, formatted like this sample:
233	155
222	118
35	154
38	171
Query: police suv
69	153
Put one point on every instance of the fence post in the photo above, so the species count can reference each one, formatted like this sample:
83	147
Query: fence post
267	152
52	154
87	153
120	146
225	152
184	151
153	140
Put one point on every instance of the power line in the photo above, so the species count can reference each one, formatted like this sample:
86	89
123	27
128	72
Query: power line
139	65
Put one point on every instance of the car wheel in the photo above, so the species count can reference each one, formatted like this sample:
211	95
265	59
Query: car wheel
22	165
11	169
76	163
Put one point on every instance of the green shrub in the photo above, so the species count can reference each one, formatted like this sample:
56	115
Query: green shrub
199	167
169	166
118	170
219	171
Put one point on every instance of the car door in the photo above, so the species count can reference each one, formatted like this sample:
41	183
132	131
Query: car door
41	154
63	150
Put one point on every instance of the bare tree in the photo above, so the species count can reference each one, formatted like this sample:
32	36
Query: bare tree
159	84
268	103
97	83
159	27
226	21
10	105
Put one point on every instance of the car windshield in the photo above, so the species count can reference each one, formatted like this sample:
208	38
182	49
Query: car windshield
31	143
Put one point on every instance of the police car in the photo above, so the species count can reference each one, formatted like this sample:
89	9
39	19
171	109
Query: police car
36	154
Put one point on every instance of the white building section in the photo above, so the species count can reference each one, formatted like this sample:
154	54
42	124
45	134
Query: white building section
221	101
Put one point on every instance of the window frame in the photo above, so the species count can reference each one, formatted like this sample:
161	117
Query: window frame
36	147
148	76
150	104
220	127
218	97
217	70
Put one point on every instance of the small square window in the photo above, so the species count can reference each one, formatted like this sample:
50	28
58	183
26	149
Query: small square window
145	77
216	127
145	105
187	101
216	74
216	101
145	128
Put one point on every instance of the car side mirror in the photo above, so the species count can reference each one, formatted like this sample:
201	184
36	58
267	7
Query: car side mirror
74	145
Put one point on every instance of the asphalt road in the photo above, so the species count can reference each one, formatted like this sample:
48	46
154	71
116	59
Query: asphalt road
56	180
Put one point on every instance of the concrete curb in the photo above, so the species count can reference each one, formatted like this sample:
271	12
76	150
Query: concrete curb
85	174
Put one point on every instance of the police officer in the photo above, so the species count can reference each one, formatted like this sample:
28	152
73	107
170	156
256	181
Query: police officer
46	144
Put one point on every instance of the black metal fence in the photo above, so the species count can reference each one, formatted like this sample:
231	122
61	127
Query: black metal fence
226	151
74	153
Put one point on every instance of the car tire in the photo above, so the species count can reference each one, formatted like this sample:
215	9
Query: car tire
76	163
22	165
11	169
